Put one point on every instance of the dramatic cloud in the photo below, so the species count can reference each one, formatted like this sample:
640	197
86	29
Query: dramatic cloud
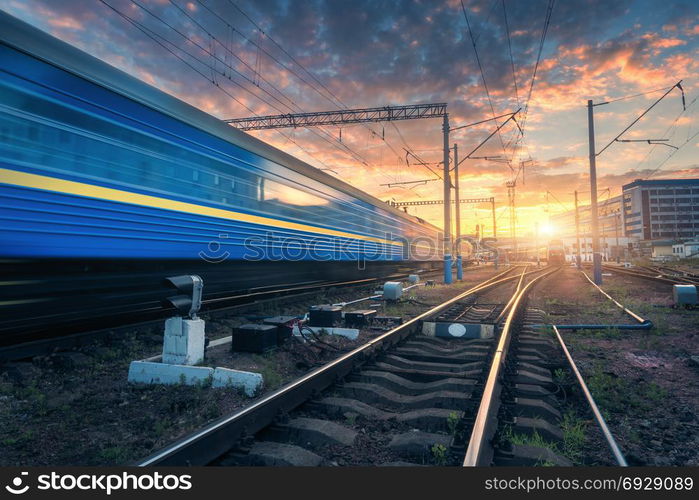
236	58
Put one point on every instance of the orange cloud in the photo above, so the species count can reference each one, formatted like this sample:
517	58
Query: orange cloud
66	22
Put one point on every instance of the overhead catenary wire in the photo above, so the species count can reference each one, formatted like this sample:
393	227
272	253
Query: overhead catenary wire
509	46
213	68
480	67
157	39
334	100
678	85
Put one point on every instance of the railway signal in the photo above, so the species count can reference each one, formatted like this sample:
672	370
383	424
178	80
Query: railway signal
188	301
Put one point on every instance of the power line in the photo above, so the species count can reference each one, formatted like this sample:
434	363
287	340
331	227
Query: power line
331	141
634	95
154	36
509	45
480	67
544	31
678	85
690	139
334	102
673	124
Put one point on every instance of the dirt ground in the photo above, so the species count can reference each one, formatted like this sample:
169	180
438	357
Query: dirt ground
644	382
76	407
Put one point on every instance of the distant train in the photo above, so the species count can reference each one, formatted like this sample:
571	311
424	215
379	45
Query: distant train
556	252
107	185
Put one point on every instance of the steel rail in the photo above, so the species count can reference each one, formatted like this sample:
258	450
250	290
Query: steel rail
613	446
211	306
673	274
624	308
634	274
484	423
214	440
514	295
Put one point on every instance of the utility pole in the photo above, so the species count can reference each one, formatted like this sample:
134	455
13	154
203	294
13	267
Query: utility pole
447	204
459	268
492	209
577	233
536	245
513	216
616	230
596	257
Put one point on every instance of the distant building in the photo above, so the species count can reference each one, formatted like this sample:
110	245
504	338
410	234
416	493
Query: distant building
613	242
667	208
686	249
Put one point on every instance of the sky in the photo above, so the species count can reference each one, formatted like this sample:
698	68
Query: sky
241	58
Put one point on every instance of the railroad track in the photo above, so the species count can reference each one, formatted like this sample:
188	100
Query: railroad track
26	345
404	398
682	276
659	275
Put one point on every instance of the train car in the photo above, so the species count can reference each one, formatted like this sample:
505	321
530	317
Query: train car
107	185
556	252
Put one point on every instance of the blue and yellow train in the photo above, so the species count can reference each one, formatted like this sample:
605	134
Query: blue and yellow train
108	184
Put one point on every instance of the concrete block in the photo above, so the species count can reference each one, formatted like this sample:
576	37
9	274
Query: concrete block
684	295
183	342
250	382
147	372
392	290
457	330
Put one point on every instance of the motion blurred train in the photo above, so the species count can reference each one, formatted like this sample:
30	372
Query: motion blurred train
108	185
556	252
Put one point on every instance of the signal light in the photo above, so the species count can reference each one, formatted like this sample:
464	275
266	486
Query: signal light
188	301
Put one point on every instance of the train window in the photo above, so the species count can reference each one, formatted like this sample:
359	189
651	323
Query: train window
216	180
195	175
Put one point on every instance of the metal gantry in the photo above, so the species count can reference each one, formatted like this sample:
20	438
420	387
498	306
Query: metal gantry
341	117
419	203
381	114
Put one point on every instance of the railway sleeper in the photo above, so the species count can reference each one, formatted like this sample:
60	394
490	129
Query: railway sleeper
310	433
400	362
455	347
273	454
373	394
430	419
533	408
455	359
418	445
416	375
537	426
407	387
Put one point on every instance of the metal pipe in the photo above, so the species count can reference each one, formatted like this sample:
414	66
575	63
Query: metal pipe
618	455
